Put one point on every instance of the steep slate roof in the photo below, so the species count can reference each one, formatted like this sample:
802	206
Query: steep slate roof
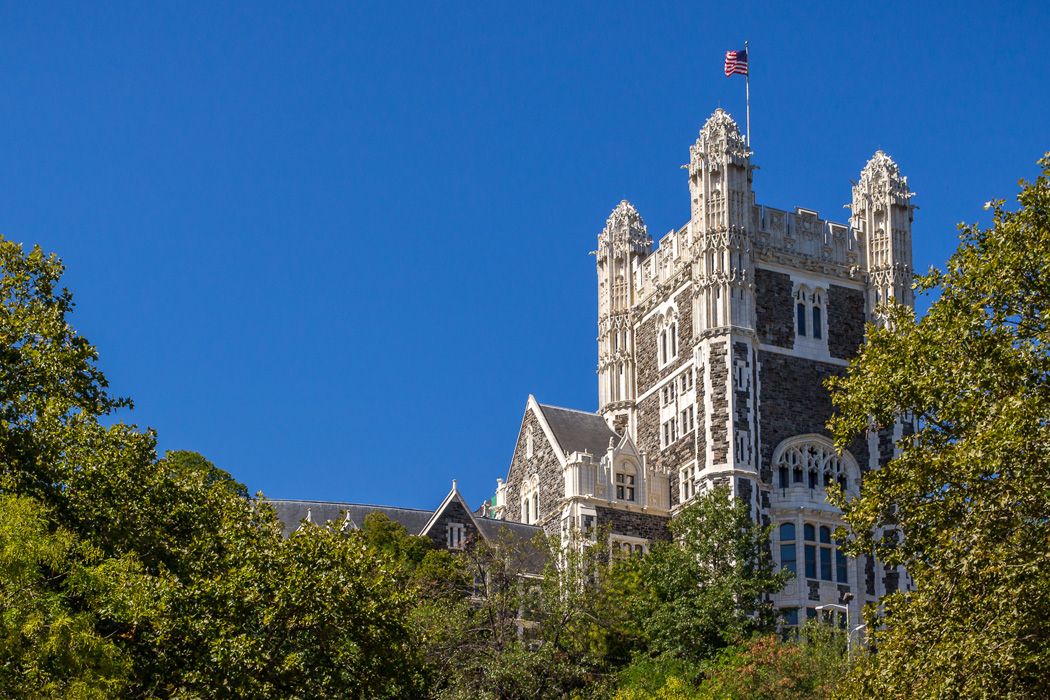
579	431
291	513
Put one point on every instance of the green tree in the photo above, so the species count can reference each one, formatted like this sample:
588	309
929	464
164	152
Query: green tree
709	587
53	588
522	634
234	611
965	506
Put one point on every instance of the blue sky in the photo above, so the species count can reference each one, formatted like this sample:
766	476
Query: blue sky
335	247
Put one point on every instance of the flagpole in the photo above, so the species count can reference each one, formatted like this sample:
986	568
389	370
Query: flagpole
747	89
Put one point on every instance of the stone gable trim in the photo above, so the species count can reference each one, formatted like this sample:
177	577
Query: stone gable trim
452	496
534	406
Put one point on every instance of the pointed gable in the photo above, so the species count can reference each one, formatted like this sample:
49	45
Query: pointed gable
452	524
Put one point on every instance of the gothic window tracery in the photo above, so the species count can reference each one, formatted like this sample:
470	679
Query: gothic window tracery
812	459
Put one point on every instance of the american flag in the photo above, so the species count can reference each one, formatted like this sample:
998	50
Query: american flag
736	62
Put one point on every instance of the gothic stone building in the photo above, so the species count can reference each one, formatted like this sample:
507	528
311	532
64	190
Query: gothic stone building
712	353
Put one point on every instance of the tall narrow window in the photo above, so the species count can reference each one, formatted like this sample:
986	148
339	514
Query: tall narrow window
801	308
816	322
787	548
840	566
810	535
825	554
784	477
529	446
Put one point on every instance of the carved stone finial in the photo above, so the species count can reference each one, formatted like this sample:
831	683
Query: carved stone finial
625	229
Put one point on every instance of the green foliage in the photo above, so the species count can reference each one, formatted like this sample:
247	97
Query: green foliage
160	577
710	586
966	505
52	590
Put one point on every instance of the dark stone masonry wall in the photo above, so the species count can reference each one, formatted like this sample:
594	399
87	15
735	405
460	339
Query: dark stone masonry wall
646	337
773	307
741	392
676	456
651	527
846	321
795	402
718	369
543	462
454	513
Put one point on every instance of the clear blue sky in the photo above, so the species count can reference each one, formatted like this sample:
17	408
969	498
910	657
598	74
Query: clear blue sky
334	247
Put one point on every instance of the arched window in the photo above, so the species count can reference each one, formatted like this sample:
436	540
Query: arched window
825	553
813	460
817	313
800	311
668	341
810	535
530	500
824	560
787	548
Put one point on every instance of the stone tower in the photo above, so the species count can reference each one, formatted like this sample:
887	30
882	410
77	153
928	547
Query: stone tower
621	245
882	214
721	232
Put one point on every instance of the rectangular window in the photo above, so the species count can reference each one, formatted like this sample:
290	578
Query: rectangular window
787	558
811	561
801	319
816	322
667	434
811	614
784	477
790	616
455	536
825	563
840	566
691	425
674	429
685	421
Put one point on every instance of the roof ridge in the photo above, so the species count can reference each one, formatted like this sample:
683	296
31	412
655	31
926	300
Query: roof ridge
574	410
344	503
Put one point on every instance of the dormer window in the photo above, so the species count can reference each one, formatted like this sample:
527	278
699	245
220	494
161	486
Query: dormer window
625	484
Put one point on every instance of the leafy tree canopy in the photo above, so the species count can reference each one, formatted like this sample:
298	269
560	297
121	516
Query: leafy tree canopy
966	504
709	587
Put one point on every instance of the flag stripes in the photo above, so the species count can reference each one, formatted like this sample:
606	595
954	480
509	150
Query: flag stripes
736	62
